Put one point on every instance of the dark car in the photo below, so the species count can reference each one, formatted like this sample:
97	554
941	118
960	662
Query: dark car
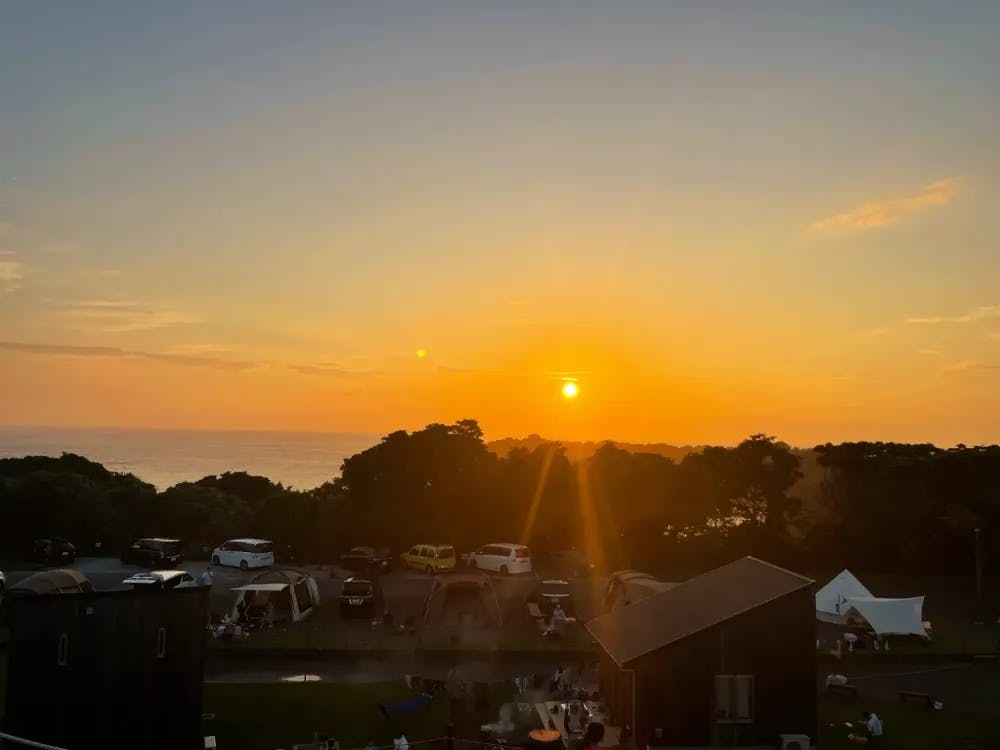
153	553
366	559
572	563
54	550
361	597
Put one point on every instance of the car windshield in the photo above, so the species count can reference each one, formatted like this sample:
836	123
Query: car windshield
357	588
262	547
446	552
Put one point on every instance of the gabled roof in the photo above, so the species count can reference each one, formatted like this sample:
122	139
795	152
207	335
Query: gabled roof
692	606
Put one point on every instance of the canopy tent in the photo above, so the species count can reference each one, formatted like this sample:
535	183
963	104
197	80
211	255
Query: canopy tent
831	600
891	616
462	599
62	581
289	593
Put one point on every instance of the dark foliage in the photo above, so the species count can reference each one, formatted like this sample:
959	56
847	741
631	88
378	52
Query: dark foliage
883	506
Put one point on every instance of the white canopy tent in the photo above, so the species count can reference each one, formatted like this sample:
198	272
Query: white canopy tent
891	616
832	600
288	593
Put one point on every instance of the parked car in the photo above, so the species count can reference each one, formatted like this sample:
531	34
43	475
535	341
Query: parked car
162	580
571	563
502	558
54	550
550	592
244	554
366	559
153	552
361	597
429	558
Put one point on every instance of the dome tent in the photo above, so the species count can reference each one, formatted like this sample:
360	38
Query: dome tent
291	593
630	586
462	599
60	581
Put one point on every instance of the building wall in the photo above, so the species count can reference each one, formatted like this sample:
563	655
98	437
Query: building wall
775	643
113	689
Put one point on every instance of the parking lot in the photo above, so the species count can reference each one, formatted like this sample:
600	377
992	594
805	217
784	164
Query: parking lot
403	591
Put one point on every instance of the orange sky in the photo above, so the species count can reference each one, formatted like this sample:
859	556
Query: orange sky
255	219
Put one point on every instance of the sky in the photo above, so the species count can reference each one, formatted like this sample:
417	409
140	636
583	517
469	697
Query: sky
716	219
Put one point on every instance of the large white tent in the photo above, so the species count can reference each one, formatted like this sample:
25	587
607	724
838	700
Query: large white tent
891	616
832	599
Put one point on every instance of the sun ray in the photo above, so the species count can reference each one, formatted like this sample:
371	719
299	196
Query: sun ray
536	498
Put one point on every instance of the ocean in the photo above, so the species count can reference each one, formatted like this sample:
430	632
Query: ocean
301	460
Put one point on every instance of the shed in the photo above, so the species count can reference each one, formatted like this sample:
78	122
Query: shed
726	658
291	593
108	669
60	581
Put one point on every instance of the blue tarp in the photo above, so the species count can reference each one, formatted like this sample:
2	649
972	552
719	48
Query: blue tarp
410	704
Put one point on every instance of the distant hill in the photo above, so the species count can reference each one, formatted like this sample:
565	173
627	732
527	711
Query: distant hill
578	451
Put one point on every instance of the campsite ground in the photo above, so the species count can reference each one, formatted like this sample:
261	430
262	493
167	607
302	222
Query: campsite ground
276	714
269	716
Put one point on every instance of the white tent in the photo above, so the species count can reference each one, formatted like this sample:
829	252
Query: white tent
290	594
891	616
831	600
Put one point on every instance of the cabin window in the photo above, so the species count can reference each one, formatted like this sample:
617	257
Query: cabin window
734	698
161	643
62	653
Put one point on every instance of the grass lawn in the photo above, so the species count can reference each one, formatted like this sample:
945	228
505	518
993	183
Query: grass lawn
259	717
909	726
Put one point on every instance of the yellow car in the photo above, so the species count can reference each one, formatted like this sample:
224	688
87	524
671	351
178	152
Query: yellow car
429	558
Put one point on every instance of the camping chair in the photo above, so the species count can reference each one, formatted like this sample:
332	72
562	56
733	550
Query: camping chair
534	611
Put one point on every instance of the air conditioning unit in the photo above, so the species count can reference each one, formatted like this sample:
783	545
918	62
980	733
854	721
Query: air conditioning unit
794	742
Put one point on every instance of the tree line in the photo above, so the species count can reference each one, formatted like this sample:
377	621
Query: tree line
879	506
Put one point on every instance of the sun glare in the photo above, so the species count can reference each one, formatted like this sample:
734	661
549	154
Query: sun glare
570	389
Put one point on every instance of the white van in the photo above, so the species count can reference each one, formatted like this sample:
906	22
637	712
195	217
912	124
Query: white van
502	558
244	553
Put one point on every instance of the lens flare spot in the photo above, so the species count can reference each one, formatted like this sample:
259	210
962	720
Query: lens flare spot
421	353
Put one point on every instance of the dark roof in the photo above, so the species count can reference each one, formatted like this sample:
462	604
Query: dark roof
694	605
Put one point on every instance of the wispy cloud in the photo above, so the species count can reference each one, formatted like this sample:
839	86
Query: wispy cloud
968	365
882	213
333	370
113	351
124	316
11	272
983	312
930	352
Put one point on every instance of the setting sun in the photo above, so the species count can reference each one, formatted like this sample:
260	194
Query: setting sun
570	390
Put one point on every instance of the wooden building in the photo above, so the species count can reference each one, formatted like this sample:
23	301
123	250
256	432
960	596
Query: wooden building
107	669
724	659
